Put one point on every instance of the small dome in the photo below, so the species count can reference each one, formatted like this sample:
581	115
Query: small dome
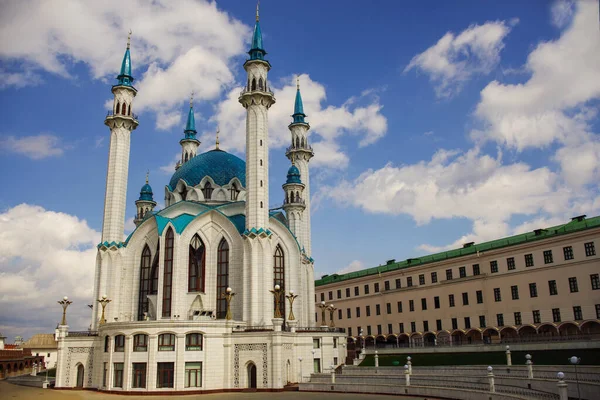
293	175
146	193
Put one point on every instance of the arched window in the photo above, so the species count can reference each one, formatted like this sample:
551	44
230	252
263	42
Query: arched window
234	191
291	197
222	277
297	197
261	206
145	282
154	271
183	193
302	142
166	342
124	109
119	343
140	342
253	84
297	141
207	191
260	84
261	142
129	110
118	108
186	157
196	265
261	162
279	276
261	183
168	273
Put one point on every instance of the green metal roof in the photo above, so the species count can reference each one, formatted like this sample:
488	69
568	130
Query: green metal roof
576	224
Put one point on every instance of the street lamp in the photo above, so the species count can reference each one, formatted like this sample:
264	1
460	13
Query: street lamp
300	359
277	294
65	302
228	295
331	309
323	307
576	360
103	302
291	297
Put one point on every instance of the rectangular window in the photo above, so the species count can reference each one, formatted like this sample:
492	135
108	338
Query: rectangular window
379	329
138	375
348	313
552	288
436	302
388	308
467	322
573	285
448	274
398	283
476	270
422	279
355	291
368	308
533	290
105	374
317	365
411	305
510	263
577	315
193	342
386	285
529	260
568	252
482	321
479	295
500	319
118	375
497	295
514	291
357	312
548	257
424	304
322	296
347	292
454	323
376	287
434	277
462	272
349	331
518	320
399	306
595	280
339	293
316	343
340	313
465	298
413	326
119	343
425	326
451	300
493	266
590	250
390	329
377	309
556	314
166	342
369	330
438	324
140	342
537	318
366	289
409	281
598	311
330	295
401	326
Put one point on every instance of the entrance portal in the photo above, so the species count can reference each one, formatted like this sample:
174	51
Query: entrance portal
252	376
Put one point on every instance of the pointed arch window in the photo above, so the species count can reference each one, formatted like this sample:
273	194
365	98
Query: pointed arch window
185	158
124	109
222	277
253	84
234	191
196	265
279	275
129	109
260	84
118	108
154	271
297	142
168	273
145	282
207	191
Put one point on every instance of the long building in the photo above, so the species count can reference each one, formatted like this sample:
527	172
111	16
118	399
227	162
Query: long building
537	285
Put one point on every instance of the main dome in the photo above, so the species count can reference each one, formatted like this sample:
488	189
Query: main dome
221	166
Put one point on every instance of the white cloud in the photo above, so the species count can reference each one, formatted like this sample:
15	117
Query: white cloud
44	255
35	147
328	123
355	265
18	79
454	59
167	120
562	12
169	169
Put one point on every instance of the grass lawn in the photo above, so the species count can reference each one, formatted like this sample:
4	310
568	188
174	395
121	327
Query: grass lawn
539	357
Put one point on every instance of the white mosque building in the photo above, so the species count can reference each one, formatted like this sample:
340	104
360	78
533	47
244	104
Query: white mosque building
161	320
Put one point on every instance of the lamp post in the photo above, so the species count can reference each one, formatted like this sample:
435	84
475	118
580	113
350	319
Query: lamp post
576	360
563	393
529	364
291	297
103	302
65	302
331	310
323	307
228	295
300	359
491	379
406	375
508	356
277	294
332	373
362	339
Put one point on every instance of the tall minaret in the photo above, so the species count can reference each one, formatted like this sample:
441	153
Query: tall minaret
256	99
189	144
300	154
121	122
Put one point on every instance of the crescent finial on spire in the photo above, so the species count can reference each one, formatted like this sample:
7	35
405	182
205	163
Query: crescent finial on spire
257	4
192	99
129	39
147	173
217	141
297	82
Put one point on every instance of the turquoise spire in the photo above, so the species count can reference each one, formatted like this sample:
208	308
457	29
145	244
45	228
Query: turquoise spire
298	107
125	78
146	192
190	126
256	51
293	175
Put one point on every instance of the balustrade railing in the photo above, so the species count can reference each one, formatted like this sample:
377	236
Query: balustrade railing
83	333
113	114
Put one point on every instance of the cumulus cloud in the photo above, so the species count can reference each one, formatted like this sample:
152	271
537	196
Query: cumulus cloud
18	79
454	59
329	123
44	255
562	12
355	265
35	147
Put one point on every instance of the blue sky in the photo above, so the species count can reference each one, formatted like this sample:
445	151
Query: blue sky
434	123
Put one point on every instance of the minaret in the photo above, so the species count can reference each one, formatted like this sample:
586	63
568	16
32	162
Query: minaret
189	144
145	204
293	203
256	99
121	122
300	153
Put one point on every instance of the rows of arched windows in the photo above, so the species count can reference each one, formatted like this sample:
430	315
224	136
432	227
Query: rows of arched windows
123	109
257	85
299	142
293	198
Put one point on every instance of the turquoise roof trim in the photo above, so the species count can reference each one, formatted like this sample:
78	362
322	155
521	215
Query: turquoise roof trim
182	221
221	166
298	115
124	77
190	126
108	245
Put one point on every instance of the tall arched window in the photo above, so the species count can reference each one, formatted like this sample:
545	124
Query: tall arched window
124	109
168	273
279	276
253	84
222	277
118	108
207	191
196	265
260	84
129	110
154	271
234	191
186	157
145	282
297	141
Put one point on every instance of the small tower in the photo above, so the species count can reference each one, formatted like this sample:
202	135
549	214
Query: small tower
257	99
189	144
145	204
300	153
121	122
293	203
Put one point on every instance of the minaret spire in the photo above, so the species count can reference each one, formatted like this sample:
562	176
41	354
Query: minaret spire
257	5
189	143
217	141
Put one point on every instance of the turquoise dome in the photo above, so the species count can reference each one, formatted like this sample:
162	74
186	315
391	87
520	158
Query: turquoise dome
293	175
221	166
146	193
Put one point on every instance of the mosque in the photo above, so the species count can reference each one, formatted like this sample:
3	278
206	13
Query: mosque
215	291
